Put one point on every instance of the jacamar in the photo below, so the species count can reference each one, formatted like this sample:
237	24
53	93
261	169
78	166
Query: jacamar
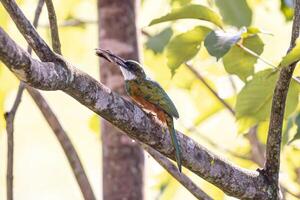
147	93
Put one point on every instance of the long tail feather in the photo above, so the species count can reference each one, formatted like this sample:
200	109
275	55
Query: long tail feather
175	143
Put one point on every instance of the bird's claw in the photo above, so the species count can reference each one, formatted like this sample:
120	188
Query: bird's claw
151	115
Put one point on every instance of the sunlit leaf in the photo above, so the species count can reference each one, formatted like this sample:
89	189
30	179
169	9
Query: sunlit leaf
185	46
287	9
191	11
218	42
180	2
292	56
235	12
158	42
252	30
239	62
255	99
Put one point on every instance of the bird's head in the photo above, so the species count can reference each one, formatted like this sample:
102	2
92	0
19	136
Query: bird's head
130	68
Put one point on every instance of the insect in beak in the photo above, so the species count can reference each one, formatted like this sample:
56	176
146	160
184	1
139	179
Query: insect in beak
110	57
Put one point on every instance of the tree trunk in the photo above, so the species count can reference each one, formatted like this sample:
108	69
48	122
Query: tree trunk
123	160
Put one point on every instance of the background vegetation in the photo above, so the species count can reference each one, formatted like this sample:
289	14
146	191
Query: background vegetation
243	81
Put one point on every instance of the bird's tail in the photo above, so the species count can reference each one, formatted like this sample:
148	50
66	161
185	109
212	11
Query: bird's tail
175	143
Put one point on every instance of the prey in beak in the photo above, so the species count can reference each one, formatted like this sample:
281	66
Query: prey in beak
110	57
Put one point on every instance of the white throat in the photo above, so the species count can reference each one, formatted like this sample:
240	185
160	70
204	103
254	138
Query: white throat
127	74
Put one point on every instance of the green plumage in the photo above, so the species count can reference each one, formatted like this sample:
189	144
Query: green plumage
146	91
153	93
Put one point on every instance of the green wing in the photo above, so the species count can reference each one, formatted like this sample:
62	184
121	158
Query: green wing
154	93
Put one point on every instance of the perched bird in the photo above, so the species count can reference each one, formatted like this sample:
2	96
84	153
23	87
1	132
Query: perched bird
146	93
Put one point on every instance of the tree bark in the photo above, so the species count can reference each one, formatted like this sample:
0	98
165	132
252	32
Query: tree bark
123	160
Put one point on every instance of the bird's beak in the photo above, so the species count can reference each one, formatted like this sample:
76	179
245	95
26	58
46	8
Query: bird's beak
110	57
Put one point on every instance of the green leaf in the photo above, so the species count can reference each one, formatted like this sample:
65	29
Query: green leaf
185	46
235	12
158	42
255	99
180	2
218	43
287	9
241	63
292	56
252	30
297	135
191	11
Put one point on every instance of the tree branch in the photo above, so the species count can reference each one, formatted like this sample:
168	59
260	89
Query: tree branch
53	27
60	133
277	113
37	14
199	76
65	143
10	117
28	31
130	118
180	177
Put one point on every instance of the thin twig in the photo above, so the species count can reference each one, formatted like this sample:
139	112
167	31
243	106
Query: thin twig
9	117
199	76
57	128
272	165
256	55
37	14
53	27
180	177
232	84
215	145
65	142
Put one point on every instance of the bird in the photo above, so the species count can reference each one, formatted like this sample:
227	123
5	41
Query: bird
148	94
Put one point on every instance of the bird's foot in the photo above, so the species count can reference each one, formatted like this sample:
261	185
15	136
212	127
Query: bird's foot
151	115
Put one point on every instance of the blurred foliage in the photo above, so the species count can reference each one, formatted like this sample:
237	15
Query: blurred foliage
94	124
292	56
235	12
186	45
158	42
287	9
218	42
191	11
167	47
241	63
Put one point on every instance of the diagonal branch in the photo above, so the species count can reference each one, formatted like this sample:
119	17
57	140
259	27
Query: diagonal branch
200	77
277	113
60	133
53	27
130	118
10	117
180	177
37	14
28	31
65	142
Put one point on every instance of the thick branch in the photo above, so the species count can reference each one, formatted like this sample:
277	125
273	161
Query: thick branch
130	119
277	113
